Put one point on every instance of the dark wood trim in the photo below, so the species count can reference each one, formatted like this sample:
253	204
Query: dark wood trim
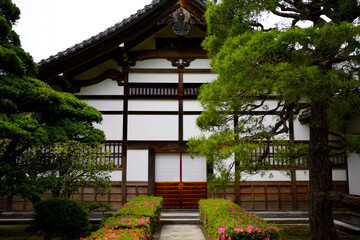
167	53
151	172
125	131
181	112
113	74
159	146
169	70
150	112
133	97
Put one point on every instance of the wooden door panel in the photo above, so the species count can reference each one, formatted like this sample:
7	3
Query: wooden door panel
181	195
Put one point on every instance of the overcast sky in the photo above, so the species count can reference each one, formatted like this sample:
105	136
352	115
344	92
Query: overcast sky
47	27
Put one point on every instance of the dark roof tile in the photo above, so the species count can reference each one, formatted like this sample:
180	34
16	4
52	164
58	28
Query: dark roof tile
104	34
101	35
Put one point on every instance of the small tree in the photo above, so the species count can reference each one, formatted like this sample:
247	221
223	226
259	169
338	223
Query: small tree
65	167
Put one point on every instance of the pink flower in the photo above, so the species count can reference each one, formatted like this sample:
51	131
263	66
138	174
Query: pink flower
267	238
238	229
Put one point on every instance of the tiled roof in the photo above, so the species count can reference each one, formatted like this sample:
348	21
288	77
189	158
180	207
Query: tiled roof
105	33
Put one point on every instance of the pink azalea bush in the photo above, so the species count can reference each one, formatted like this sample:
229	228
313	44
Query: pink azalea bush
224	220
137	219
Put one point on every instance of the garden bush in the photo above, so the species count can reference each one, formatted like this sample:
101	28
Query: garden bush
62	215
223	219
137	219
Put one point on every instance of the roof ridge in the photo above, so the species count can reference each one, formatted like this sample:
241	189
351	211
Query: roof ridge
100	35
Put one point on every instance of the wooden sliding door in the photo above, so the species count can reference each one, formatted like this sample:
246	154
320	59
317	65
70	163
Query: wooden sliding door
180	180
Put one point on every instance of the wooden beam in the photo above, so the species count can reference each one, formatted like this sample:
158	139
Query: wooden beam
151	172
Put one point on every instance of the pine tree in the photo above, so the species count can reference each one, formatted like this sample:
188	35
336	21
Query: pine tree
305	63
32	113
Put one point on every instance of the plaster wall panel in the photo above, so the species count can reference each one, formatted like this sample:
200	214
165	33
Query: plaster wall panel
137	165
200	64
153	78
193	169
353	172
167	167
154	63
302	175
301	132
153	105
106	87
106	105
112	125
116	175
269	175
337	175
190	128
192	105
153	127
199	77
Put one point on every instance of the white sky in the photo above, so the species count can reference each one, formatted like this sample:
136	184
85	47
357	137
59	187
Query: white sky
47	27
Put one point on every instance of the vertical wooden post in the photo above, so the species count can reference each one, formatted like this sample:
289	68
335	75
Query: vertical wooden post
181	110
125	130
293	189
151	172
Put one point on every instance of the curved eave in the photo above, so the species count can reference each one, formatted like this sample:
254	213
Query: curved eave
108	41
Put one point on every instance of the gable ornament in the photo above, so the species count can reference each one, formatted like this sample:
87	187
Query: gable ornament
181	20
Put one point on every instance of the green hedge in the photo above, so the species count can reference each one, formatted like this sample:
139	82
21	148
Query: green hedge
224	220
137	219
61	215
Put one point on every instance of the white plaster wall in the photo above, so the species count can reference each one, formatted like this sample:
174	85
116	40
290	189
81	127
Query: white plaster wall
301	132
116	175
269	175
354	173
153	127
302	175
199	77
153	77
106	87
106	105
337	175
192	105
153	63
153	105
167	167
112	125
137	165
200	64
193	169
190	128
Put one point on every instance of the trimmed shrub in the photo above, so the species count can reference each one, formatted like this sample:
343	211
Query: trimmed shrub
143	206
63	215
223	219
137	219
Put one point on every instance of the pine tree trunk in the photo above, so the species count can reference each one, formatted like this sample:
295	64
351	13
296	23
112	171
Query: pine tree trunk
320	208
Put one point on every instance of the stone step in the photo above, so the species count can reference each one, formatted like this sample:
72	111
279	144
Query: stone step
180	217
182	221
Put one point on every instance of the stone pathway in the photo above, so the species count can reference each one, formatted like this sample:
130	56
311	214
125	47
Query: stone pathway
181	232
